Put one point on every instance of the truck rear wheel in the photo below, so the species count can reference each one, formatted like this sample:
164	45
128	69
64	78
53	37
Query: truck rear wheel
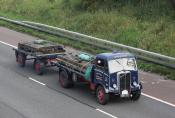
65	79
101	96
21	59
39	67
135	95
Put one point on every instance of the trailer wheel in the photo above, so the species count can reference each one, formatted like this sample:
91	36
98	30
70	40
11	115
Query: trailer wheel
65	79
21	59
135	95
39	67
101	96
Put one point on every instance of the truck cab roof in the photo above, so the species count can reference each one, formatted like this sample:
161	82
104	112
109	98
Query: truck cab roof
115	55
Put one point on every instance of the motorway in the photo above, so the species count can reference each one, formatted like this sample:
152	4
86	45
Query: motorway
23	94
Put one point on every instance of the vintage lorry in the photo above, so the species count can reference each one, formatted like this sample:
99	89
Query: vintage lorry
106	74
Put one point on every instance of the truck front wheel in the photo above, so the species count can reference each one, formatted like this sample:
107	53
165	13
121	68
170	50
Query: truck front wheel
101	96
64	79
135	95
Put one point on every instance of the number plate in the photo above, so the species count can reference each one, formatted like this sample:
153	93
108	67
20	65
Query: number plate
124	93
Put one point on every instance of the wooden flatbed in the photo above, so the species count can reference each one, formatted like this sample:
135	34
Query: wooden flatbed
72	60
40	47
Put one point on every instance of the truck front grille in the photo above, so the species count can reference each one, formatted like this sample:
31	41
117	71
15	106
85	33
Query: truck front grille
124	79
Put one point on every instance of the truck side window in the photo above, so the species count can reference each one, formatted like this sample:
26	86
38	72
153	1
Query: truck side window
102	65
100	62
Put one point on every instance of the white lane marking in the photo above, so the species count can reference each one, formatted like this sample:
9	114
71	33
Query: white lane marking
8	44
37	81
157	99
108	114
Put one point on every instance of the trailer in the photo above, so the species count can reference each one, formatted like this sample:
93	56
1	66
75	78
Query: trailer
106	73
40	51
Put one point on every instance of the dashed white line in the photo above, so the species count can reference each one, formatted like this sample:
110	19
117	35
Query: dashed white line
8	44
157	99
37	81
108	114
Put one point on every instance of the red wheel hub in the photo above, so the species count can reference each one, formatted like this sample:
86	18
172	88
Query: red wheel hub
37	67
62	82
101	95
19	59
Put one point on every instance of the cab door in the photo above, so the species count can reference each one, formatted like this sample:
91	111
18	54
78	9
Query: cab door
101	73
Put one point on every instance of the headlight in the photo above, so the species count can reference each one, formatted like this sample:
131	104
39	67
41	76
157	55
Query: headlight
135	84
115	86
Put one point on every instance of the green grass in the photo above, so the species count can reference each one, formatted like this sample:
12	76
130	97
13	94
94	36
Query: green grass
60	40
146	24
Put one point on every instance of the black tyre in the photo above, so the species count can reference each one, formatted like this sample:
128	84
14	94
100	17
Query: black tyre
39	67
16	54
101	96
135	95
21	59
65	79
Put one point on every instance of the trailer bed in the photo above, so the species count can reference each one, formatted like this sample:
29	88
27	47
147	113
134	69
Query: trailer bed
40	51
40	48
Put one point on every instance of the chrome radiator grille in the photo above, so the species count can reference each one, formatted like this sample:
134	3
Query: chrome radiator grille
125	82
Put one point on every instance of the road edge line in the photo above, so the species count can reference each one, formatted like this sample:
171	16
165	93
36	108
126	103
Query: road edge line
157	99
8	44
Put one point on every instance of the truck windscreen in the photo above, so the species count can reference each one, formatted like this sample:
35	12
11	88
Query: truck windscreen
120	64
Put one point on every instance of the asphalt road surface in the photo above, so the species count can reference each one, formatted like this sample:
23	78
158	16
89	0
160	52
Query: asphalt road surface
23	94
